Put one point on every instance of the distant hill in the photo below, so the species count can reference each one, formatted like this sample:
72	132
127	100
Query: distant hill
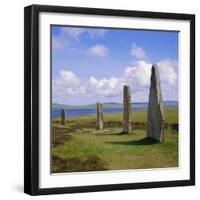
111	105
90	106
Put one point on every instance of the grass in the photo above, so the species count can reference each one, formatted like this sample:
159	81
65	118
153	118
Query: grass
171	116
80	148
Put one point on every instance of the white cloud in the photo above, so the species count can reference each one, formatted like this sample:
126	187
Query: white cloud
98	50
66	38
67	84
69	36
138	52
105	87
96	33
168	68
136	76
139	74
72	33
140	96
59	43
75	33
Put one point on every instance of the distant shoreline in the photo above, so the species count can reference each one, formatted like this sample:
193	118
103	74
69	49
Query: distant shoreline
112	105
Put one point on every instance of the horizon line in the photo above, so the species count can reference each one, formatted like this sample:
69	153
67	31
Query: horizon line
63	104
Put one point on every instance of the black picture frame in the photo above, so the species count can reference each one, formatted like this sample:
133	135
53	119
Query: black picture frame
31	99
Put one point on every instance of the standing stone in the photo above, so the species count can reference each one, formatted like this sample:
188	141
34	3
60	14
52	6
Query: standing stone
62	113
99	116
155	117
127	110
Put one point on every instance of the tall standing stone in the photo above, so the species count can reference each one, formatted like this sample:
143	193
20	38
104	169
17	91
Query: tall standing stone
62	113
127	110
155	117
99	116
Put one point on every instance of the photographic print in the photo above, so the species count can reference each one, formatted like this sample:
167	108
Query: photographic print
114	103
109	99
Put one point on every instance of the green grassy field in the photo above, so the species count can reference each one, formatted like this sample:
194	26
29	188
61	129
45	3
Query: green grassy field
79	146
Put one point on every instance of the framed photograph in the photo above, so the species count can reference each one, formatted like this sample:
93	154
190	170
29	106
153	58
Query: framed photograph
109	100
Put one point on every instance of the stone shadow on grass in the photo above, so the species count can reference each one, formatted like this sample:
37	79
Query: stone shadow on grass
144	141
117	133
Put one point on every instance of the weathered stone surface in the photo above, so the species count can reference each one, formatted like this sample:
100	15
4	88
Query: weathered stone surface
99	116
62	114
127	110
155	117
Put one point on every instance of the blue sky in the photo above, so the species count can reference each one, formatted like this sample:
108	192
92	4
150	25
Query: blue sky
90	64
